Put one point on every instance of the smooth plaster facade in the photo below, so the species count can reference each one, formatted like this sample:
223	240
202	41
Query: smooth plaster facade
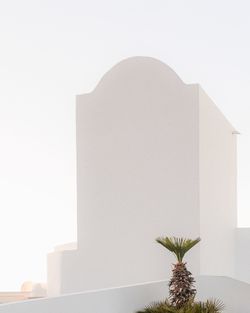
154	157
217	190
234	294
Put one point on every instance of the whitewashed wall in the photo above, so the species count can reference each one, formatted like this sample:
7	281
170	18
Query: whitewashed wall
234	294
137	168
242	266
217	175
141	150
117	300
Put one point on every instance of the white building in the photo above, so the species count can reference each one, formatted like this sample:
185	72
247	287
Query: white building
155	157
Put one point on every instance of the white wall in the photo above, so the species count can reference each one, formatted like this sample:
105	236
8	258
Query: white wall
54	273
118	300
242	266
217	174
234	294
137	138
154	157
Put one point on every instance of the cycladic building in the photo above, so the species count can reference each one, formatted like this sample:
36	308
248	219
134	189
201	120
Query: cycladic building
155	156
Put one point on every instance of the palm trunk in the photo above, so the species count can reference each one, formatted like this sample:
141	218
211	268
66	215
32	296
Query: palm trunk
181	288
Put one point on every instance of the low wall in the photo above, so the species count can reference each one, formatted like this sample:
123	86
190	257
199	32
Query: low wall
234	294
117	300
242	256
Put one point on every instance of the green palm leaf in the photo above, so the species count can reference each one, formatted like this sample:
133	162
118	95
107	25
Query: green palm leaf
209	306
178	246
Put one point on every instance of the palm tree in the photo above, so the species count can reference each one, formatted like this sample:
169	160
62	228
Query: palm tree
181	285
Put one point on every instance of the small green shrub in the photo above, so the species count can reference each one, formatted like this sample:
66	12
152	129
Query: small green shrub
209	306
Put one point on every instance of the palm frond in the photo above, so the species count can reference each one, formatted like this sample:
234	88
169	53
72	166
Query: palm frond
159	307
209	306
178	246
214	306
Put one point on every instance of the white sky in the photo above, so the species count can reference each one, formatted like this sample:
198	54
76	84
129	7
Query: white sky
51	50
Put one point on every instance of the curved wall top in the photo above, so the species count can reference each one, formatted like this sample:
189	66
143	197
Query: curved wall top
152	69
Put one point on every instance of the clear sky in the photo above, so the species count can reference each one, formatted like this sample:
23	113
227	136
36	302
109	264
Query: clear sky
51	50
